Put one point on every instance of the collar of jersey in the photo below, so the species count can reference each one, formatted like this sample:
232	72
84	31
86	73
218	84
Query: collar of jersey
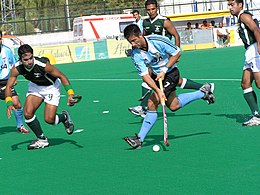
29	69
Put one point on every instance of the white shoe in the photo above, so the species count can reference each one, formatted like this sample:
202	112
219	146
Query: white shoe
253	121
38	143
138	110
208	90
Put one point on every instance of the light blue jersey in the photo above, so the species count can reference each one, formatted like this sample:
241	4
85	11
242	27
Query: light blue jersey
7	60
159	49
140	24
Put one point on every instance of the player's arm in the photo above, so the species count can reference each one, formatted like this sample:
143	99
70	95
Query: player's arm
173	59
8	91
64	80
172	30
248	20
150	82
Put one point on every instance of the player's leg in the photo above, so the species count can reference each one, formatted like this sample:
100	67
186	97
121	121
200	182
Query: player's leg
185	83
250	95
18	113
148	122
52	98
31	104
175	102
141	109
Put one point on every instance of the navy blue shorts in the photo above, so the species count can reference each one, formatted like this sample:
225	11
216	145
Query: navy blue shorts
2	91
170	81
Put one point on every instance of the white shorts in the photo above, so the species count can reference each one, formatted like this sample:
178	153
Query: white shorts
50	94
252	58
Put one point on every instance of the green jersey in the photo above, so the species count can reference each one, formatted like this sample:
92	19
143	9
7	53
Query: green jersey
156	26
246	35
36	74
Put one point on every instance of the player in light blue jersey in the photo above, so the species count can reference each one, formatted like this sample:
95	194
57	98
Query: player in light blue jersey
7	61
138	19
160	55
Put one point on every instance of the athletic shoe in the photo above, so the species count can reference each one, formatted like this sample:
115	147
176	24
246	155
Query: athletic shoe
38	143
208	90
138	110
253	121
134	142
23	130
68	123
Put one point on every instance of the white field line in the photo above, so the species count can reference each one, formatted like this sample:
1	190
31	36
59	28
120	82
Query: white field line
122	79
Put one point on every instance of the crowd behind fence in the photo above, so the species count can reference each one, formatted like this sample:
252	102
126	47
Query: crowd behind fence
26	21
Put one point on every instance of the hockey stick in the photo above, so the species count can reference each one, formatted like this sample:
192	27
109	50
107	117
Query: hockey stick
165	129
144	96
77	97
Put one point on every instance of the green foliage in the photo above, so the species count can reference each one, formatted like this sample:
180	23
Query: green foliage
23	27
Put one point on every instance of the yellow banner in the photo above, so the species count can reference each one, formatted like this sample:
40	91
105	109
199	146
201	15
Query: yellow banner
61	53
116	49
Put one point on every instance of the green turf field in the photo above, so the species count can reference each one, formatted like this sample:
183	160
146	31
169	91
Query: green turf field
210	152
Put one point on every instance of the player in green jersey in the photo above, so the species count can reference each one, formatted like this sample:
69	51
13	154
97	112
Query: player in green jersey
249	32
44	86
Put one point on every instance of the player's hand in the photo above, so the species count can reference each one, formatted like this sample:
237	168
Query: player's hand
9	111
71	101
160	75
162	96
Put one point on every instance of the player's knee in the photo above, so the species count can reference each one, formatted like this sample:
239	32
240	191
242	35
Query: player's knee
28	115
49	119
245	85
151	105
174	107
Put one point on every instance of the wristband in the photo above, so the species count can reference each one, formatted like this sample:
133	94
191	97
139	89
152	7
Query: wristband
164	69
8	101
69	90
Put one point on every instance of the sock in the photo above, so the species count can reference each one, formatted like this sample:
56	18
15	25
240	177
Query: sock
251	99
19	117
148	123
59	118
189	84
186	98
145	89
35	126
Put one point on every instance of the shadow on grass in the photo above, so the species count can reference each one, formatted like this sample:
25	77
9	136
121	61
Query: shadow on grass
240	118
158	139
52	142
9	129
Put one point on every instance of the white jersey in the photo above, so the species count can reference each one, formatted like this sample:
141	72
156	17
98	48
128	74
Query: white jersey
7	61
159	50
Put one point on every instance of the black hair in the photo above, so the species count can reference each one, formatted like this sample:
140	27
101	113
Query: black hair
239	1
130	30
135	11
24	49
1	33
149	2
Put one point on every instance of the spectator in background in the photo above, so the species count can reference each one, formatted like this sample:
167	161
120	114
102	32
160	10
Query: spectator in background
138	19
197	26
205	25
188	26
188	38
223	34
213	24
